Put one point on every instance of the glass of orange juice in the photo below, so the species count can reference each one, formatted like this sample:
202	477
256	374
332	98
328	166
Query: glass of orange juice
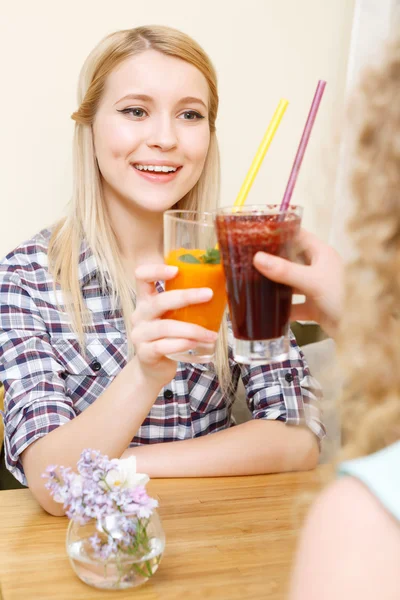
190	243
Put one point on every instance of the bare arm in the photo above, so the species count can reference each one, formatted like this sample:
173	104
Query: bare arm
349	548
255	447
107	425
111	422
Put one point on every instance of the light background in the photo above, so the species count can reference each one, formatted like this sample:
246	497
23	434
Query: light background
374	22
263	50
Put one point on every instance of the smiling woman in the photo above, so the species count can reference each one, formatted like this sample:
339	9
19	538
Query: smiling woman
82	341
150	127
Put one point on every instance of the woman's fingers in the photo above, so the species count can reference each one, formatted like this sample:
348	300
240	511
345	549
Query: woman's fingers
306	247
152	352
155	338
147	275
284	271
168	328
153	307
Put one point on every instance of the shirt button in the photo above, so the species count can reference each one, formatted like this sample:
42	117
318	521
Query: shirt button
289	377
168	394
95	365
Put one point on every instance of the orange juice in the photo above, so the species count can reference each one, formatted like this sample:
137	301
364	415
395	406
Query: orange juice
197	275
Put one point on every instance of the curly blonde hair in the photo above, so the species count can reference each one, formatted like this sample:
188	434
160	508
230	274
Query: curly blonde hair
370	330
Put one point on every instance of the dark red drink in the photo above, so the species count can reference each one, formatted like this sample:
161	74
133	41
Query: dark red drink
259	307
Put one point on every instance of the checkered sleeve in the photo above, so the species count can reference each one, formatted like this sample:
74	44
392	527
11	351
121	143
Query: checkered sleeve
285	391
35	396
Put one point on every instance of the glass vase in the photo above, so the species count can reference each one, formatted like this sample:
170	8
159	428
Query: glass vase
118	552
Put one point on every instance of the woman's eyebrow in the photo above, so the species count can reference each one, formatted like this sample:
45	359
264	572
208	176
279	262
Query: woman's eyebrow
142	97
146	98
190	99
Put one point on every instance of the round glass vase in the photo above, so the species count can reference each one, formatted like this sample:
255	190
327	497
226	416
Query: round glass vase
105	556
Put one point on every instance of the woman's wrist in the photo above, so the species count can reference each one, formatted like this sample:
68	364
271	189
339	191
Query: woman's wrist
133	382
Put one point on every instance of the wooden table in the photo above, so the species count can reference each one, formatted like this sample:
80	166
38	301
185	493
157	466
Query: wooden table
227	538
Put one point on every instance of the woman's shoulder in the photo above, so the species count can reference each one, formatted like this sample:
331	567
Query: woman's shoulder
367	489
345	499
348	533
30	255
364	501
379	473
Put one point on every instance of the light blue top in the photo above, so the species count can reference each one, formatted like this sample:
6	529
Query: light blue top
380	473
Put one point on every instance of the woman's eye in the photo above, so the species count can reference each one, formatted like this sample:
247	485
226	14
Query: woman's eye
138	113
191	115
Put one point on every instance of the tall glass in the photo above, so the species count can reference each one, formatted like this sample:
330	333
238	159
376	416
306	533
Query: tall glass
259	308
190	244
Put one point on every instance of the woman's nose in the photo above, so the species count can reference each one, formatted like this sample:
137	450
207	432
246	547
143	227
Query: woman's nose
162	135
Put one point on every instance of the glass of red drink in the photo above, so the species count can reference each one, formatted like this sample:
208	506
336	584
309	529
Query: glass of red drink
259	308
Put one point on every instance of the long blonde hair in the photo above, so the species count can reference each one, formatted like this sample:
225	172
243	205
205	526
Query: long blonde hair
370	328
87	218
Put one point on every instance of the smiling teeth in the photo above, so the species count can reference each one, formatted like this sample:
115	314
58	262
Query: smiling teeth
157	169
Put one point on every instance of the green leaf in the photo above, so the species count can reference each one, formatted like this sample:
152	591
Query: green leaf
211	257
189	258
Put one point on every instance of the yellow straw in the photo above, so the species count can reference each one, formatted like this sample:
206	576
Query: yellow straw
261	152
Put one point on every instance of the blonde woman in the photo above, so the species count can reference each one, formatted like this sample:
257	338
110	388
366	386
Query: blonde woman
350	546
147	99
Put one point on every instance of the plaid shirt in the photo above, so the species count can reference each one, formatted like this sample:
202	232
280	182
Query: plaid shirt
48	381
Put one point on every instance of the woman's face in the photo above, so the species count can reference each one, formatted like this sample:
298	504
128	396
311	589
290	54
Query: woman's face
151	130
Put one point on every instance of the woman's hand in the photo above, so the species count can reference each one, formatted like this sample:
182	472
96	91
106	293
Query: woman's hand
320	280
153	337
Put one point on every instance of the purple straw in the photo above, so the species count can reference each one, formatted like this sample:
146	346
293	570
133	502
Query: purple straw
303	145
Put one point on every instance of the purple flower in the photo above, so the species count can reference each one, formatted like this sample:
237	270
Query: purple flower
108	549
95	542
108	491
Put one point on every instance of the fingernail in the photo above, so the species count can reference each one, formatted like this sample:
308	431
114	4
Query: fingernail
212	336
171	270
264	260
205	293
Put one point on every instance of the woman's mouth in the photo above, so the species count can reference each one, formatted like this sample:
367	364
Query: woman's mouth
157	173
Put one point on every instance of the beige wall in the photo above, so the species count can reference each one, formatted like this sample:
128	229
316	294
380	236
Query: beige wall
262	50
